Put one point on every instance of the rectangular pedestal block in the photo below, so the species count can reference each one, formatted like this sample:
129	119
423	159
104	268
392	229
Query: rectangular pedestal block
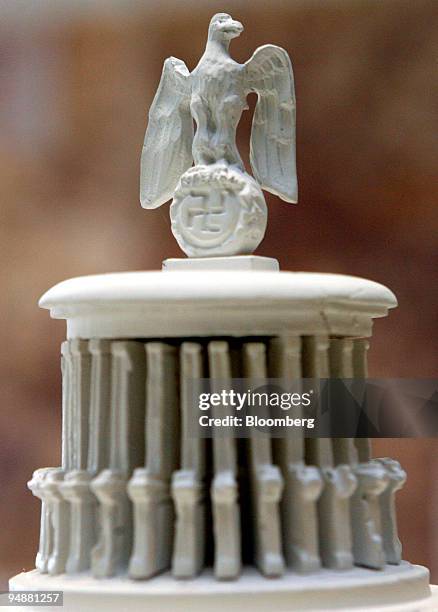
140	491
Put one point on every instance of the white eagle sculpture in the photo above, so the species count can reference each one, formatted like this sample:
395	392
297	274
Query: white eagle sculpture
217	208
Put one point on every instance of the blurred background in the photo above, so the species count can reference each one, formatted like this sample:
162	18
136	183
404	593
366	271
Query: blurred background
77	79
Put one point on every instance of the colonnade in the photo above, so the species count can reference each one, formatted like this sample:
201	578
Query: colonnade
138	493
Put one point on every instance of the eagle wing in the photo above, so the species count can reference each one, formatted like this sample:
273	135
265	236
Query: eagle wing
272	151
167	148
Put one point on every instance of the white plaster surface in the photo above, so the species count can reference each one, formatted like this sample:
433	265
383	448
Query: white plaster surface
217	208
238	262
217	302
396	589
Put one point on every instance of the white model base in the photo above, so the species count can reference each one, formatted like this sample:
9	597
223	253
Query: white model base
401	588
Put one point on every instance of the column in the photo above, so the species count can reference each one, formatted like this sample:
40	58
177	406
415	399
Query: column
57	510
149	488
392	547
392	550
339	481
60	519
224	489
75	486
302	483
126	451
46	527
188	483
266	482
372	481
100	405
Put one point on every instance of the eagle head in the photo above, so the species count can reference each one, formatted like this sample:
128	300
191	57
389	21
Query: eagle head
223	25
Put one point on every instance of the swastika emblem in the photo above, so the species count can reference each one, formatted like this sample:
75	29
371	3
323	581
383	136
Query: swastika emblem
217	210
203	213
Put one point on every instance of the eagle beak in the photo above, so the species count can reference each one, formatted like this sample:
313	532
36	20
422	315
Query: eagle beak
236	27
232	28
